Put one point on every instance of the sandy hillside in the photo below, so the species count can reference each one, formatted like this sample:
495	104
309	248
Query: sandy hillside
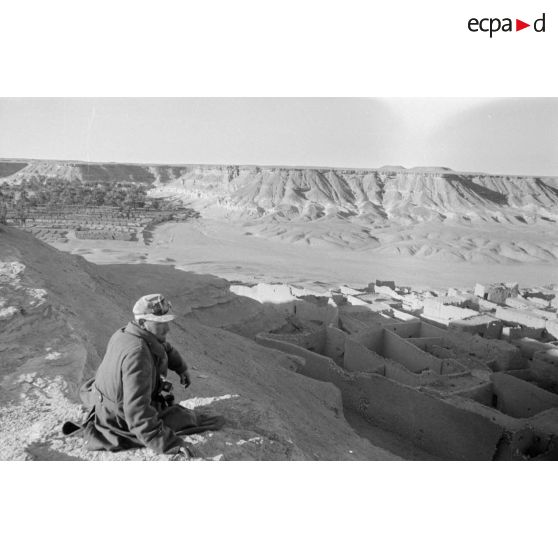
58	311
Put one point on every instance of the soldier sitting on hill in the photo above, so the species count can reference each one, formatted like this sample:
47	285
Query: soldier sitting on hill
128	408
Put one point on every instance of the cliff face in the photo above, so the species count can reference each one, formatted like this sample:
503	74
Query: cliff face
374	197
81	172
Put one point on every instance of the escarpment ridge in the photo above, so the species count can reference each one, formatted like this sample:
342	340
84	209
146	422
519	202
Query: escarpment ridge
373	196
426	212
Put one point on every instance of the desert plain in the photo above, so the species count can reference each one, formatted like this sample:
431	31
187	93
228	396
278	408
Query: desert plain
224	248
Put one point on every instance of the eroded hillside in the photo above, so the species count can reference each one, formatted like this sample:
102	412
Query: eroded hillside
371	195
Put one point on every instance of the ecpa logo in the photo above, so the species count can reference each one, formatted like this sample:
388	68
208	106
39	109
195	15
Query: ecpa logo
494	24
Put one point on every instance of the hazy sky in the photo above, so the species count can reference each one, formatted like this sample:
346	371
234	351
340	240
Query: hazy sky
515	136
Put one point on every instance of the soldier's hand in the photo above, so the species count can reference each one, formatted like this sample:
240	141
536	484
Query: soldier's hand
185	378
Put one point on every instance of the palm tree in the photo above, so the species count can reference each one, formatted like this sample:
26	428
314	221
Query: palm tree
3	214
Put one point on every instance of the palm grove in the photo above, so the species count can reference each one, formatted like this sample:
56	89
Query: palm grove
51	195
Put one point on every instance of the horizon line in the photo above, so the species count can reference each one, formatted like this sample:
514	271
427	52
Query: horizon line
395	168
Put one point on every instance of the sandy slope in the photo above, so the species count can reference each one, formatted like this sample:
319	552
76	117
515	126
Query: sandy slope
54	338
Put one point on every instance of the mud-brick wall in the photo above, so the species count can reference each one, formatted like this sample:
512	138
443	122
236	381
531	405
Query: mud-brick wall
500	354
482	325
452	366
405	329
328	314
436	425
398	373
408	355
334	346
529	346
494	330
434	308
520	399
519	331
482	393
425	342
404	316
520	317
372	338
357	323
415	329
360	359
312	340
316	366
430	330
544	368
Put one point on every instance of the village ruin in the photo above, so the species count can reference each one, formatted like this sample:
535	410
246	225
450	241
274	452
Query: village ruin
468	375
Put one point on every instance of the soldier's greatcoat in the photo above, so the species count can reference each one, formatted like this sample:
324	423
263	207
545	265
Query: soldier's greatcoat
127	409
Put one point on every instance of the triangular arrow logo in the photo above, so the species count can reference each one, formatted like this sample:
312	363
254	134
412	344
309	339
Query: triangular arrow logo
519	25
